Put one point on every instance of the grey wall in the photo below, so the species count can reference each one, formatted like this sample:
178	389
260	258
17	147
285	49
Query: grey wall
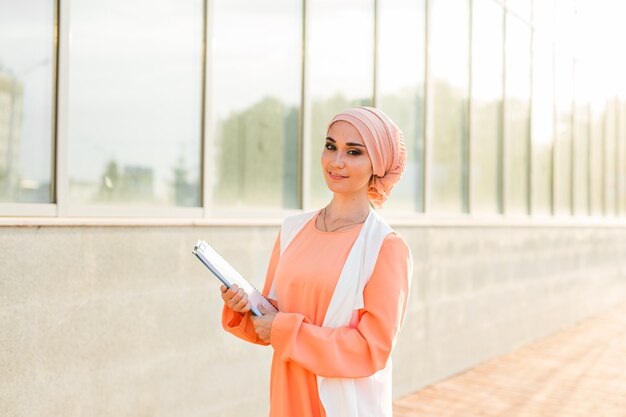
124	321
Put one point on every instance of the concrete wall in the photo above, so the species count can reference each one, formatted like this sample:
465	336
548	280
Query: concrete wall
124	321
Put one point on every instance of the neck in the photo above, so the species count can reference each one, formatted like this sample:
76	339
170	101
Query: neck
348	208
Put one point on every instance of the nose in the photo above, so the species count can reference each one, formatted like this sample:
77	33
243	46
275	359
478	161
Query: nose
337	160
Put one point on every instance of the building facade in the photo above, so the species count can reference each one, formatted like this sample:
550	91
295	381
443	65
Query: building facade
144	126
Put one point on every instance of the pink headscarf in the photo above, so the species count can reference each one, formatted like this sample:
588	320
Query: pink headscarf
385	144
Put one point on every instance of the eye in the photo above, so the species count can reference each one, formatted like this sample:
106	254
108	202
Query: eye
354	152
330	146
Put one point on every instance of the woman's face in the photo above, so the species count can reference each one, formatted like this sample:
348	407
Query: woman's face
345	162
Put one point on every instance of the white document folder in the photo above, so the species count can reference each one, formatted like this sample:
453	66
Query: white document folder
229	275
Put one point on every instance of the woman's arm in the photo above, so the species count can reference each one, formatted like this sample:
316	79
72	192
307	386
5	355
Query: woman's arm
353	352
240	324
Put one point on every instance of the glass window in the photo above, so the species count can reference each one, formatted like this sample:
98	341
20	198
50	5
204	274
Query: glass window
27	63
401	90
622	158
448	110
596	159
610	160
542	109
581	158
564	31
563	134
135	89
340	72
517	116
486	107
256	84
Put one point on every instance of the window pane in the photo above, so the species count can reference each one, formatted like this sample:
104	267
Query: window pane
449	78
135	102
256	85
563	134
610	166
401	89
542	109
340	72
581	158
486	108
517	116
564	31
596	155
26	100
622	160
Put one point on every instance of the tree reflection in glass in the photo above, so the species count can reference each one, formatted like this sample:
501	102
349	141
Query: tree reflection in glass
486	107
256	93
517	116
449	85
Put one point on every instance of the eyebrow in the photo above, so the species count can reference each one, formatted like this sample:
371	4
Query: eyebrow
348	144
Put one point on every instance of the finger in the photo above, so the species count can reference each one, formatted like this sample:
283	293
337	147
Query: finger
223	289
241	305
237	296
226	297
233	289
230	292
240	293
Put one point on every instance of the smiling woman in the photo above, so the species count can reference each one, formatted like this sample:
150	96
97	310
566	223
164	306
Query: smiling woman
340	278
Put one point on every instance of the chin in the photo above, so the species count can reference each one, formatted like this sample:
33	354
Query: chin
343	189
335	188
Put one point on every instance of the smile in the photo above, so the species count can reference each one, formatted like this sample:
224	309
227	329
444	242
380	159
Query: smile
336	176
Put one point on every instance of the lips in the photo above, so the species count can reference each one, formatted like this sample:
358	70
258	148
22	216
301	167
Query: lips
336	176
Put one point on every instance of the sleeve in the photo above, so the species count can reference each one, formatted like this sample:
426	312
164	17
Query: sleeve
361	351
240	325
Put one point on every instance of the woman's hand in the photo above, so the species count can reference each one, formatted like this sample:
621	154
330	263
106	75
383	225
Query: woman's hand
263	324
235	298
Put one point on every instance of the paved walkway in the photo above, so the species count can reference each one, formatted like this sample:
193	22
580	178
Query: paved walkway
578	372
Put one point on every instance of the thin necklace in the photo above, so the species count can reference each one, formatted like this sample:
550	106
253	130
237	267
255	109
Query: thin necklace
345	225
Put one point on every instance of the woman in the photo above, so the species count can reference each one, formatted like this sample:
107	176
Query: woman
340	279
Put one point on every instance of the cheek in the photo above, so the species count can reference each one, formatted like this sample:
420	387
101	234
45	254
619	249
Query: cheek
324	158
367	169
363	173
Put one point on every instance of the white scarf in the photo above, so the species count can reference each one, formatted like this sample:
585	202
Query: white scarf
350	397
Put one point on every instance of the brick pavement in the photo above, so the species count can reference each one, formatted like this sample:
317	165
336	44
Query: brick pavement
578	372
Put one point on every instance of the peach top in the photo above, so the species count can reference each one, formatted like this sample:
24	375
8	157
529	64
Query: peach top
305	277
